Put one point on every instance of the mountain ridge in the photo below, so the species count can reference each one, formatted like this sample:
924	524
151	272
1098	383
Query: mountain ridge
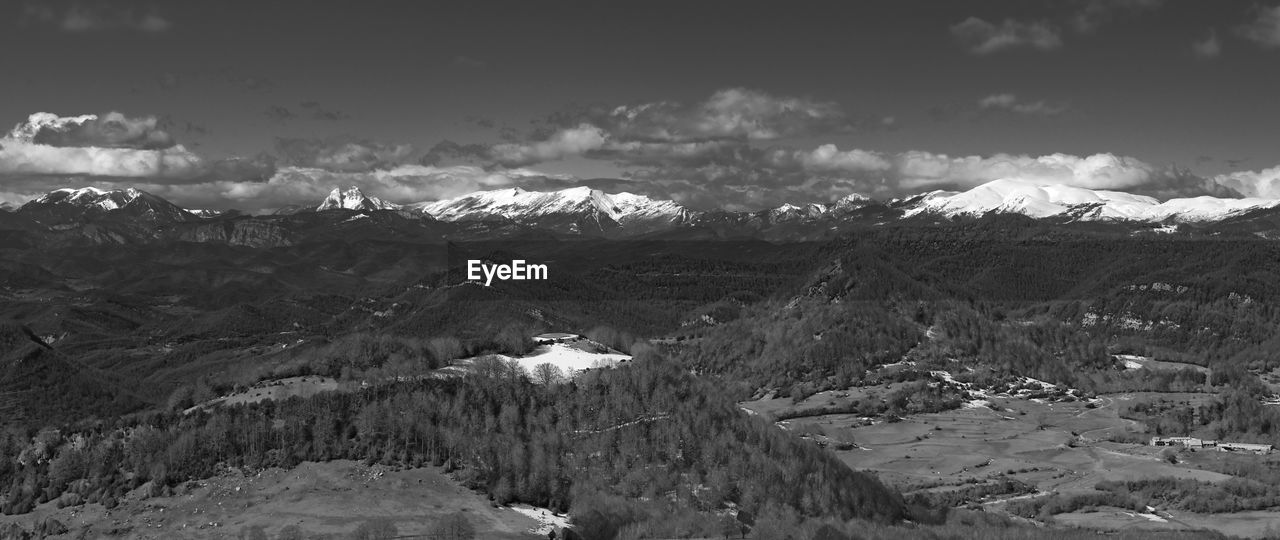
131	214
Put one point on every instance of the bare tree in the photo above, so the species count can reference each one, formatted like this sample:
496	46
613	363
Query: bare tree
548	374
445	349
454	526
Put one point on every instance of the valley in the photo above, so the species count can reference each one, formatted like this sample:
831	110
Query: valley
957	373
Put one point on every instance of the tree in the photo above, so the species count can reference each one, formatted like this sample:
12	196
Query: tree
375	530
547	374
253	532
290	532
454	526
445	349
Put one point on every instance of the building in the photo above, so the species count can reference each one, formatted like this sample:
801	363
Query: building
555	337
1245	447
1189	442
1192	442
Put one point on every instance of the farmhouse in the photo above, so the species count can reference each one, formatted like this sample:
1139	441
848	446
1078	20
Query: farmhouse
1192	442
555	337
1189	442
1245	447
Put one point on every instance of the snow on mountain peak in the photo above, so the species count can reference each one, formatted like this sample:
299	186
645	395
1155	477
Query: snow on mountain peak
71	203
1017	196
526	206
353	199
91	197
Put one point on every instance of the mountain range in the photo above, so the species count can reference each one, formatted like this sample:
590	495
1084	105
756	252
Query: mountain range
132	215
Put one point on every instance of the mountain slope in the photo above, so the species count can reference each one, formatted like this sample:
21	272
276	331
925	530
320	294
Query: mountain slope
353	199
1014	196
71	205
579	210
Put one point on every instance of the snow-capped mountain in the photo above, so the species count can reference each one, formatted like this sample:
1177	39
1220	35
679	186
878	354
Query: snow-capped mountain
1016	196
72	204
790	212
574	210
353	199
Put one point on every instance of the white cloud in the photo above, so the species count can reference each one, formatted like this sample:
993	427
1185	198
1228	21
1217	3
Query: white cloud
17	157
1264	183
828	158
731	113
1209	47
1011	103
982	37
1264	31
924	170
564	143
86	17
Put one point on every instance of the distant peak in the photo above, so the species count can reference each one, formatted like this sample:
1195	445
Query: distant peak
352	198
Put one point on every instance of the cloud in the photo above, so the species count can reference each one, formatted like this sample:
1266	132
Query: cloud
828	158
110	130
925	170
278	113
343	153
23	158
319	112
731	113
1010	103
666	132
1265	30
84	17
1099	12
403	184
982	37
565	143
1209	47
1264	183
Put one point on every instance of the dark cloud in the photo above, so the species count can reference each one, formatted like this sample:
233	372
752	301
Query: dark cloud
344	154
448	149
319	112
1265	29
481	121
307	109
469	62
279	113
259	168
982	37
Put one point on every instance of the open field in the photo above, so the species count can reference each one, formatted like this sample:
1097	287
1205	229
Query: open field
1258	524
276	389
322	499
1130	361
1063	447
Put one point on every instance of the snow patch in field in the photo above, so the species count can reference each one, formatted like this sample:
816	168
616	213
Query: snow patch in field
569	359
1149	517
547	520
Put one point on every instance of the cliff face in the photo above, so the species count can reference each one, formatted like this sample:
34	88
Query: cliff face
237	232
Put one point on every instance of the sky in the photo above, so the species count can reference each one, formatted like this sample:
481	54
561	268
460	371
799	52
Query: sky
719	104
